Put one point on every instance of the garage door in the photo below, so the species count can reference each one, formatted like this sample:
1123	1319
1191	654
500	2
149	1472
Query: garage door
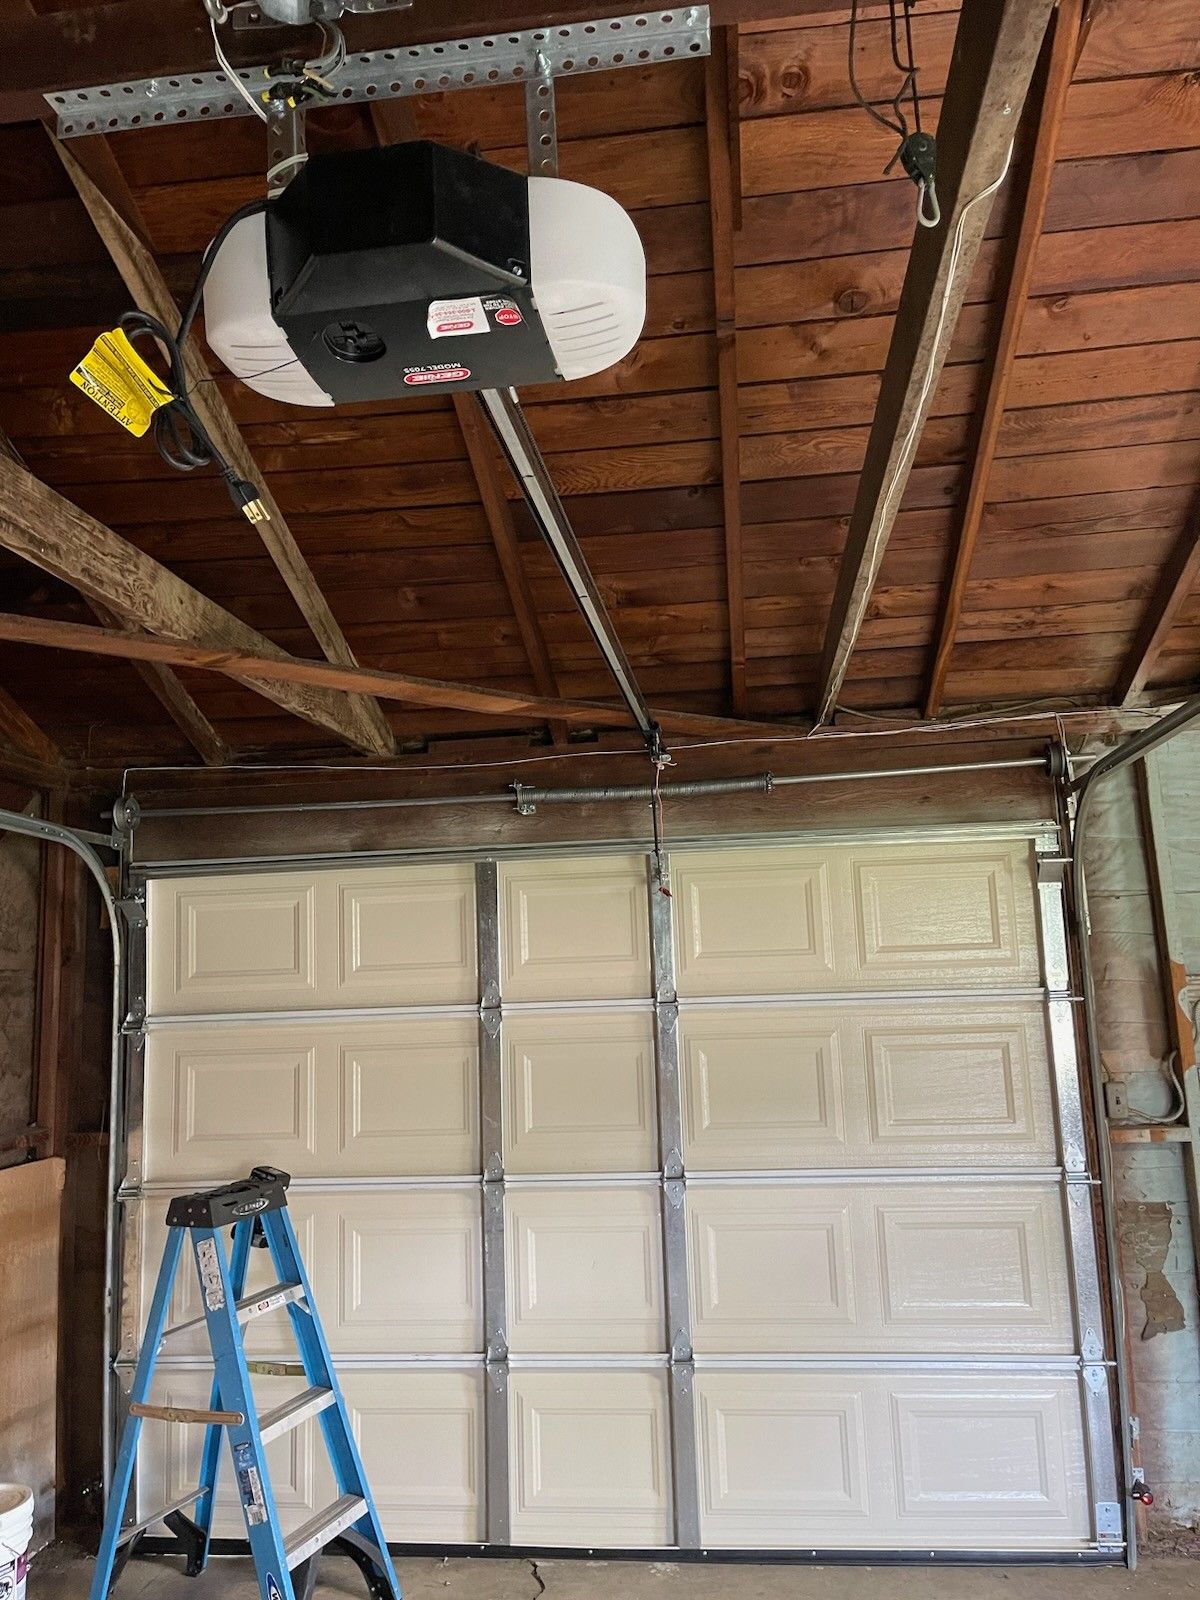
754	1215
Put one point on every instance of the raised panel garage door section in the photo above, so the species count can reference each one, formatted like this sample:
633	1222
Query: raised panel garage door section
739	1218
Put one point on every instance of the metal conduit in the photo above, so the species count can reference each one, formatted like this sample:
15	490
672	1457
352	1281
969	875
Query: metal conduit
761	783
82	844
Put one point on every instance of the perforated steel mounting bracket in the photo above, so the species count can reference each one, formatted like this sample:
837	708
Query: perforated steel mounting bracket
536	54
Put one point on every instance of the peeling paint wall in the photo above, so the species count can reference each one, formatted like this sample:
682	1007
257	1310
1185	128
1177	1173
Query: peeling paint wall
20	867
1158	1258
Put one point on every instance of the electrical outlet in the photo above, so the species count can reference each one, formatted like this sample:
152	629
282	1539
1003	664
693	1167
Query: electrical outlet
1116	1100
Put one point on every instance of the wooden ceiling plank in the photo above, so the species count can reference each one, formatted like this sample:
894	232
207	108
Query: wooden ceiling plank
365	724
1175	587
274	672
724	203
43	528
995	53
1060	51
477	439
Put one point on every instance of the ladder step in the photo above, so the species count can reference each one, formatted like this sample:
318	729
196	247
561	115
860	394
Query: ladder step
127	1534
283	1418
254	1305
317	1532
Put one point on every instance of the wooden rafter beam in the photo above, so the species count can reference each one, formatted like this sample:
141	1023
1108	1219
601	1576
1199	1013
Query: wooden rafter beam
280	672
1060	51
498	512
364	724
722	206
161	681
1177	582
39	525
19	729
995	50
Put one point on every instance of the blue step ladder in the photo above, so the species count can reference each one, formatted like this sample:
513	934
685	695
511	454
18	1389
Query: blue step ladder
255	1208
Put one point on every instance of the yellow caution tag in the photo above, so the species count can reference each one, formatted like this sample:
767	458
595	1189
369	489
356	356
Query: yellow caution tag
116	378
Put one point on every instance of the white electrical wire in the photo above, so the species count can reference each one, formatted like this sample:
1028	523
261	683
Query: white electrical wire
223	62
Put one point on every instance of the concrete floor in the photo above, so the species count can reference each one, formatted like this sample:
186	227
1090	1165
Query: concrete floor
61	1576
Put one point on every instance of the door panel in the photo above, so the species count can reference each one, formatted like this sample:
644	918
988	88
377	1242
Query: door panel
579	1092
590	1462
793	919
576	929
379	936
321	1099
906	1085
910	1267
584	1270
891	1459
394	1271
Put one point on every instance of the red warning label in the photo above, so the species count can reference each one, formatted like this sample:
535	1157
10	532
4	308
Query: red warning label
508	316
437	375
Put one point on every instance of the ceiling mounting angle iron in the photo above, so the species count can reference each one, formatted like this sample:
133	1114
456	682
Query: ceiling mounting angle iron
636	40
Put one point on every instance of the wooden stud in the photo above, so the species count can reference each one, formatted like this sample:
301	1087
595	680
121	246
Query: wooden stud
364	725
270	674
53	534
723	199
995	50
1060	51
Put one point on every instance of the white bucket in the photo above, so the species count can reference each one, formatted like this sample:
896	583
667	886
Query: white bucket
16	1530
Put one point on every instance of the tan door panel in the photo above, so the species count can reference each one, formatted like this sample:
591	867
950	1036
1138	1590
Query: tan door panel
590	1462
944	916
857	1459
914	1084
579	1092
583	1268
911	1268
232	944
371	936
406	936
420	1434
408	1098
320	1099
790	919
395	1272
220	1100
575	929
753	921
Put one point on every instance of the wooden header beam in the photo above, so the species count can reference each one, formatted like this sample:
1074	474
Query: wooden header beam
1060	52
53	534
276	673
364	724
995	49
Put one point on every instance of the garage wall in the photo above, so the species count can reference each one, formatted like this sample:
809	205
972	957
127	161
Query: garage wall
1157	1243
774	1247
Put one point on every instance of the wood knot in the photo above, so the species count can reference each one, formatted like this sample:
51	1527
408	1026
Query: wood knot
794	80
850	302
